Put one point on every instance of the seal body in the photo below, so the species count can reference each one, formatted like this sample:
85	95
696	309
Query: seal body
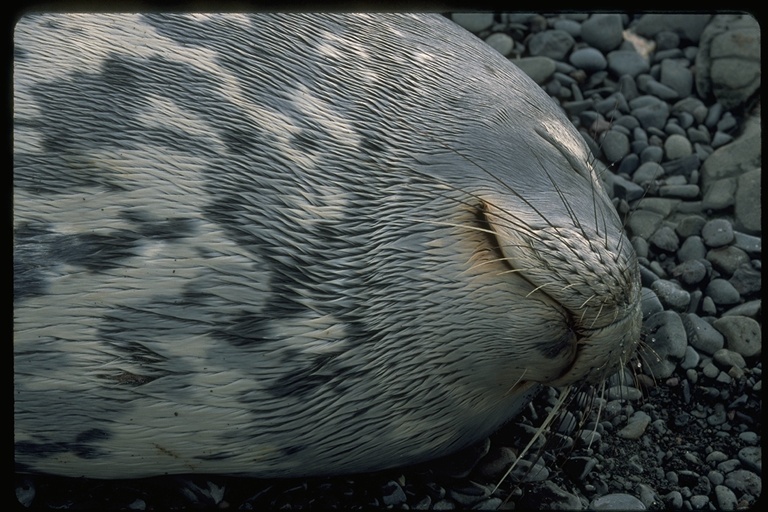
287	245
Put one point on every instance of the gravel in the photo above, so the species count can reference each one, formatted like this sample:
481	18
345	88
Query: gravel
670	103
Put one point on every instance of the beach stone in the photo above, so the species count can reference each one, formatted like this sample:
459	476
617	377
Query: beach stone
473	21
742	334
687	26
627	62
603	31
540	69
728	63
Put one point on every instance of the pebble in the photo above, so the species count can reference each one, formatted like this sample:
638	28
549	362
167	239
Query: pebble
496	463
726	499
573	27
623	392
715	477
474	22
751	456
555	44
671	294
722	292
666	40
720	139
393	494
720	195
500	42
651	114
677	146
553	497
588	59
728	359
635	426
25	493
617	501
666	340
746	279
469	494
742	334
698	501
650	303
736	40
624	62
524	471
750	244
674	500
687	26
643	223
647	172
747	201
540	69
727	260
690	360
676	75
615	145
648	84
665	239
137	504
717	233
744	481
444	505
701	335
680	191
603	31
683	166
652	154
691	271
750	309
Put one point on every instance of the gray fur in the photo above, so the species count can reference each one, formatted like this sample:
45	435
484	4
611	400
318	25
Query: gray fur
281	245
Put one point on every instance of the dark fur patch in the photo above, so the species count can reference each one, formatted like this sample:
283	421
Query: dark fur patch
308	379
38	250
163	229
84	445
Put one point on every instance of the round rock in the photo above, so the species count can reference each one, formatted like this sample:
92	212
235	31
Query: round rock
717	233
617	501
742	334
603	31
473	21
588	59
554	44
722	292
702	335
677	146
627	62
615	145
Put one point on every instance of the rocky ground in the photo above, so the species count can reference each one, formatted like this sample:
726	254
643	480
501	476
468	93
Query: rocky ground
670	104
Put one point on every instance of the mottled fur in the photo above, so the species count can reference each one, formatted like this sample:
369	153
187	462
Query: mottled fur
284	245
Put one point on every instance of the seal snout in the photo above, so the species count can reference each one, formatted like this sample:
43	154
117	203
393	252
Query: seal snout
592	275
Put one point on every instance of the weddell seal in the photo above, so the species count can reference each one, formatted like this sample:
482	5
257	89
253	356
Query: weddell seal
293	245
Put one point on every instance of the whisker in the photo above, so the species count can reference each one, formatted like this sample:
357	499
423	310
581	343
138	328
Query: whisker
537	289
599	311
539	433
518	381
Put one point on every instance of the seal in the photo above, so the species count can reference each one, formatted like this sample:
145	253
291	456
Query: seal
291	245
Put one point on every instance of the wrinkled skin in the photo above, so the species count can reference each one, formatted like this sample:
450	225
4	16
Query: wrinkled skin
294	245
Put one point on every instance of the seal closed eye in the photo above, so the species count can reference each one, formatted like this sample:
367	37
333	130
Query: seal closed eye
289	245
